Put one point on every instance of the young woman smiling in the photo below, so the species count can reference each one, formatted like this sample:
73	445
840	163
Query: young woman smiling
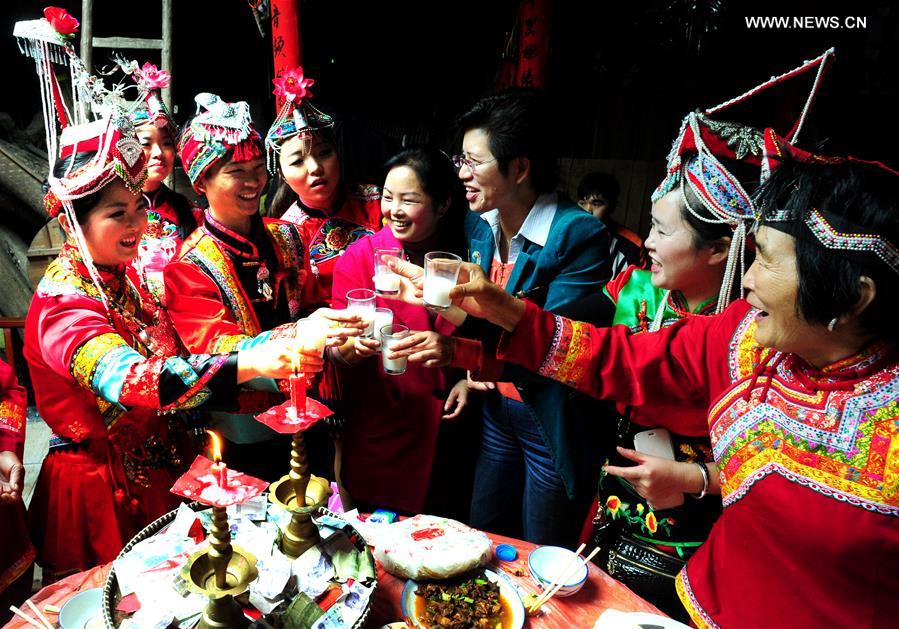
104	360
394	423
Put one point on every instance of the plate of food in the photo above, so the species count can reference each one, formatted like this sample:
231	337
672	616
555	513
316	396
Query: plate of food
482	598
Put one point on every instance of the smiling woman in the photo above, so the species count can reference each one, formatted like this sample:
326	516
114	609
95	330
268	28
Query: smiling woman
801	396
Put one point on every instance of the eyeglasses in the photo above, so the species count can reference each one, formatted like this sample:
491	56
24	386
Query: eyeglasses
460	160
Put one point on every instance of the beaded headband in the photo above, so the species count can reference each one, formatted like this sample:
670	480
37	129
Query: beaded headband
837	234
297	117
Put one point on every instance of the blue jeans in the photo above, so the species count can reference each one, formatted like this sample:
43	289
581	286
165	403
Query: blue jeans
517	490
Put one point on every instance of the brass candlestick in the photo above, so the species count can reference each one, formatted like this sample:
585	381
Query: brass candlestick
302	494
221	572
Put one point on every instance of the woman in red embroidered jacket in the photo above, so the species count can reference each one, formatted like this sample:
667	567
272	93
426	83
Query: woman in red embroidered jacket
803	397
16	551
171	218
105	361
302	149
238	275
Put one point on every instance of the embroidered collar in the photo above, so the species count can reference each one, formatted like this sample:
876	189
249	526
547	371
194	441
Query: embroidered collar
844	373
330	212
235	243
113	277
677	303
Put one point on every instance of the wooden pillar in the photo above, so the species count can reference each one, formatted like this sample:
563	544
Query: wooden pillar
87	34
166	55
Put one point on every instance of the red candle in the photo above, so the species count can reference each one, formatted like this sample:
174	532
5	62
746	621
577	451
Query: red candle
298	394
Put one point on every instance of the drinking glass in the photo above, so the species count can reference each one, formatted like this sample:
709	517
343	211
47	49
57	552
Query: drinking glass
441	273
361	301
386	281
383	316
390	336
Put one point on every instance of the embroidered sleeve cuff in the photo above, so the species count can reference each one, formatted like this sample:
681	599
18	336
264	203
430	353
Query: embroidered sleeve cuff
553	346
12	418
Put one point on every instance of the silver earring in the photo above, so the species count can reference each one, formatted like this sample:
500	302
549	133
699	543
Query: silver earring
832	324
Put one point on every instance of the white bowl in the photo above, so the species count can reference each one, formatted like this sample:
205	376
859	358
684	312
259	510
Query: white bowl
81	609
548	564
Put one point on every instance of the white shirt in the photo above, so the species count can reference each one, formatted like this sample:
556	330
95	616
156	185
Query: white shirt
535	227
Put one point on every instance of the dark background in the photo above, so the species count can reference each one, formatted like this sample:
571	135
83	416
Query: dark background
622	74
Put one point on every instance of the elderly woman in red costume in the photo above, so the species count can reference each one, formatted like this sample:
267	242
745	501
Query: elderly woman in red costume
16	552
330	214
238	275
802	387
104	360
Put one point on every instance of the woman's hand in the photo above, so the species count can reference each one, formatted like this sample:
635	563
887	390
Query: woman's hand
661	482
478	296
343	325
277	359
364	347
478	385
412	279
456	401
430	348
12	477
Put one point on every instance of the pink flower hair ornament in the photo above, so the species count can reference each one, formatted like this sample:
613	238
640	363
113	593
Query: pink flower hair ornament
152	78
61	21
292	85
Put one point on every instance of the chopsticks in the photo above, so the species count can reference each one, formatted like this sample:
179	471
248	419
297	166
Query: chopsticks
569	573
41	623
40	615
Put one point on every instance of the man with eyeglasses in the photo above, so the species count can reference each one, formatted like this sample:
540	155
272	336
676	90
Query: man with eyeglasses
536	471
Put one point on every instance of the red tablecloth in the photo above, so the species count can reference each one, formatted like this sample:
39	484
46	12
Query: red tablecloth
580	611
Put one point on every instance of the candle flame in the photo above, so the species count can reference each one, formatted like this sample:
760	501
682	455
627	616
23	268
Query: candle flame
216	447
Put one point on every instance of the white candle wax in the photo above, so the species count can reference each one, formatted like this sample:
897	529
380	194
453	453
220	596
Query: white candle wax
437	290
393	367
387	283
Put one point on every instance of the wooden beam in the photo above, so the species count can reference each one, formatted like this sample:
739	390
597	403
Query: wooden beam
139	43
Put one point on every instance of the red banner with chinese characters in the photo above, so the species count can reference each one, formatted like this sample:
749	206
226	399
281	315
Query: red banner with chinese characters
533	47
286	49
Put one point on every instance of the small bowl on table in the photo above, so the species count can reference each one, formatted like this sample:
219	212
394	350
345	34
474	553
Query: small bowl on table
548	564
83	611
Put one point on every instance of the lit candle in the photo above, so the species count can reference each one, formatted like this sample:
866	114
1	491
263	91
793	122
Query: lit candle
218	466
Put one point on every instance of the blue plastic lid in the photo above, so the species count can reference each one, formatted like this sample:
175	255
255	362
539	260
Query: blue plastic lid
506	552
